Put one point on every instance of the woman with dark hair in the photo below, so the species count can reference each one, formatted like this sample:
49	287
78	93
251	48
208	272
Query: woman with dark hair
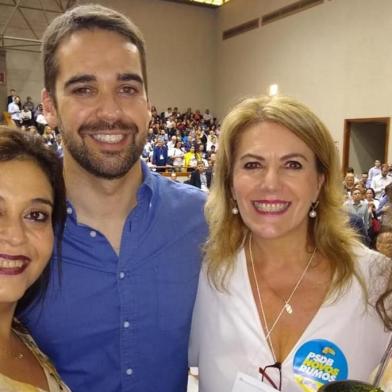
371	198
32	210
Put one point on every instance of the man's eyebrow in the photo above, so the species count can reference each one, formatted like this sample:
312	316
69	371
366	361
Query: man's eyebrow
128	76
83	78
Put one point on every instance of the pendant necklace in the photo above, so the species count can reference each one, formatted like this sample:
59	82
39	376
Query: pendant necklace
11	354
287	306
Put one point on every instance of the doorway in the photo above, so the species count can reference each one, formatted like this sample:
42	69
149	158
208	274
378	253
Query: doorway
365	140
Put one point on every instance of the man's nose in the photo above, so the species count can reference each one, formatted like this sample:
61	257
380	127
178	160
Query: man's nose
108	107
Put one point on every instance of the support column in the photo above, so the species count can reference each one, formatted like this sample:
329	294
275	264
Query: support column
3	82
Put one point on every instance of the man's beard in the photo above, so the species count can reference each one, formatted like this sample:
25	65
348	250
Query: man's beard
108	165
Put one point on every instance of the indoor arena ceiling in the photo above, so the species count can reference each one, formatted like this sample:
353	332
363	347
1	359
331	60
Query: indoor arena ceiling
209	3
22	22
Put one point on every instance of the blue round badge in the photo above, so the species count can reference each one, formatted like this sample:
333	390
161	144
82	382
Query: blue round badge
318	362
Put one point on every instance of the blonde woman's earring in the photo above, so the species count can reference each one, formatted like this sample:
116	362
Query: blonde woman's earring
313	212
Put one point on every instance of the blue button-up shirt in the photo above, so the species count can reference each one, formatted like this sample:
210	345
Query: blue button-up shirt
121	322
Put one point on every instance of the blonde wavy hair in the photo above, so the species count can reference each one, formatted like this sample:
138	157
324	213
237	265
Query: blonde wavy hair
329	232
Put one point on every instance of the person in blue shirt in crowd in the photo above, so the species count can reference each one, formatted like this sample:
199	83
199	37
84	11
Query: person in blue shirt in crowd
159	156
119	319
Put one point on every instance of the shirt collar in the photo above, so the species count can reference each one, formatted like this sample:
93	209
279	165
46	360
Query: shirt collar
148	178
148	184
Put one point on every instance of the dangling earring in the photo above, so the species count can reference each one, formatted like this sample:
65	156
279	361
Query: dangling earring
234	210
313	212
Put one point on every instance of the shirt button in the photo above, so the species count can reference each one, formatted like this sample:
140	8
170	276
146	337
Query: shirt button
122	275
129	372
93	233
69	210
126	324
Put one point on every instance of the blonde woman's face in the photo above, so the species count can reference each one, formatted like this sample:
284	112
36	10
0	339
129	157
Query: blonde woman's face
274	181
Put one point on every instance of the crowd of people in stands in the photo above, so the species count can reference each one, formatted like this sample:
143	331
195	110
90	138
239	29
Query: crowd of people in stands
183	142
368	202
179	142
30	118
187	142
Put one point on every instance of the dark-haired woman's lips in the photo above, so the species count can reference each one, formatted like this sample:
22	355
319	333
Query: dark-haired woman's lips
13	264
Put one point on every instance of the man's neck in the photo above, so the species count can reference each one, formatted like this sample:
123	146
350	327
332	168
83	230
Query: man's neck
96	198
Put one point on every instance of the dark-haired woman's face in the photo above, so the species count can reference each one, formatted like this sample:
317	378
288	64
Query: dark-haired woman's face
26	233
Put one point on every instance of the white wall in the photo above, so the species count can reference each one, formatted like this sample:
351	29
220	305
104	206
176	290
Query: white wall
181	50
24	70
334	57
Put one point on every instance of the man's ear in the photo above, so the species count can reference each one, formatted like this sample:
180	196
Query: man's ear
149	109
50	112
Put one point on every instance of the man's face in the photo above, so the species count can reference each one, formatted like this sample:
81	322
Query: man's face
101	104
356	195
377	163
349	180
384	170
364	177
200	167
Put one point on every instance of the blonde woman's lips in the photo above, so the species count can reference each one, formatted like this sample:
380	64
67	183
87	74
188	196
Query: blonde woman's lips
271	207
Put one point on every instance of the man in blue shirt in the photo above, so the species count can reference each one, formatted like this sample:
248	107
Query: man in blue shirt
159	155
119	317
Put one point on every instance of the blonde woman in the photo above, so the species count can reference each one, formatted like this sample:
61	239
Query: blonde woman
286	295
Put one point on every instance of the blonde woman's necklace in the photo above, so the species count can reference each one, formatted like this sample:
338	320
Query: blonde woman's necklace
287	306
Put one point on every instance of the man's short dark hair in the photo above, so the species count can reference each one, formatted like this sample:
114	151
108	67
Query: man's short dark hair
86	17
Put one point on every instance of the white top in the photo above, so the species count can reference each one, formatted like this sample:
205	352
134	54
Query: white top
14	111
344	336
379	183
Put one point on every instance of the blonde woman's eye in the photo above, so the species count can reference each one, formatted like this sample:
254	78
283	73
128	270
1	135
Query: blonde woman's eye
252	165
293	165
